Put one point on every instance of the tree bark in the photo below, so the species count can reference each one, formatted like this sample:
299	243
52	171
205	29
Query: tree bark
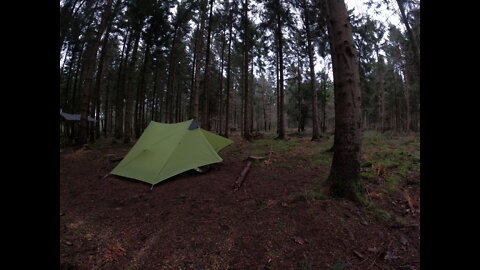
89	69
170	80
282	111
315	128
227	92
198	47
345	170
220	92
206	88
324	106
128	91
381	91
246	109
139	115
411	37
406	88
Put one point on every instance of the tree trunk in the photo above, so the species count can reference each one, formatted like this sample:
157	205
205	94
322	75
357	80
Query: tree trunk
246	108
277	85
345	170
412	38
315	128
77	78
252	94
67	101
89	69
227	92
141	95
119	107
282	113
324	107
106	111
128	91
220	92
192	83
406	88
170	80
198	48
206	88
381	92
102	66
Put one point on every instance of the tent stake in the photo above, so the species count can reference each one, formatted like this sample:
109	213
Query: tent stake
151	187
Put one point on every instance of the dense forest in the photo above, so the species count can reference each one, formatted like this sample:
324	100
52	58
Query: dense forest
303	151
235	66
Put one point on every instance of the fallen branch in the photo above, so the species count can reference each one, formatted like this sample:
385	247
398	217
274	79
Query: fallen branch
241	178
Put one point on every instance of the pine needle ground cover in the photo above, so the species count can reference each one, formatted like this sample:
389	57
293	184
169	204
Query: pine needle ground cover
280	218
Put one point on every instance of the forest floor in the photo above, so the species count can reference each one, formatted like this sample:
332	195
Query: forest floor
278	219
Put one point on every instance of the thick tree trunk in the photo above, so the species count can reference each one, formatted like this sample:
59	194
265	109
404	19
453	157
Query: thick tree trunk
345	170
282	112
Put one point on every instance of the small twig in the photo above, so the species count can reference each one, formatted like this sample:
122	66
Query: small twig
373	263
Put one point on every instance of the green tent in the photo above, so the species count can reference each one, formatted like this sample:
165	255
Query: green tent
165	150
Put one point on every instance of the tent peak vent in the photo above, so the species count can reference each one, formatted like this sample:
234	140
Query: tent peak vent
193	125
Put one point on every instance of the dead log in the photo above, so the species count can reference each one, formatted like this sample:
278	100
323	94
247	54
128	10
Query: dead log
241	178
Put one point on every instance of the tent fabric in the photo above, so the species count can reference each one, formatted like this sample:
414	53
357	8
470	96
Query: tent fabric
74	117
165	150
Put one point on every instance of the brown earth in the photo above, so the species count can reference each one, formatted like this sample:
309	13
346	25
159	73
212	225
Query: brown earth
196	221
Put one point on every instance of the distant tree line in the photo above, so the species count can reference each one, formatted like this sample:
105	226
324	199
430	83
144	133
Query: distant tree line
232	65
242	66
